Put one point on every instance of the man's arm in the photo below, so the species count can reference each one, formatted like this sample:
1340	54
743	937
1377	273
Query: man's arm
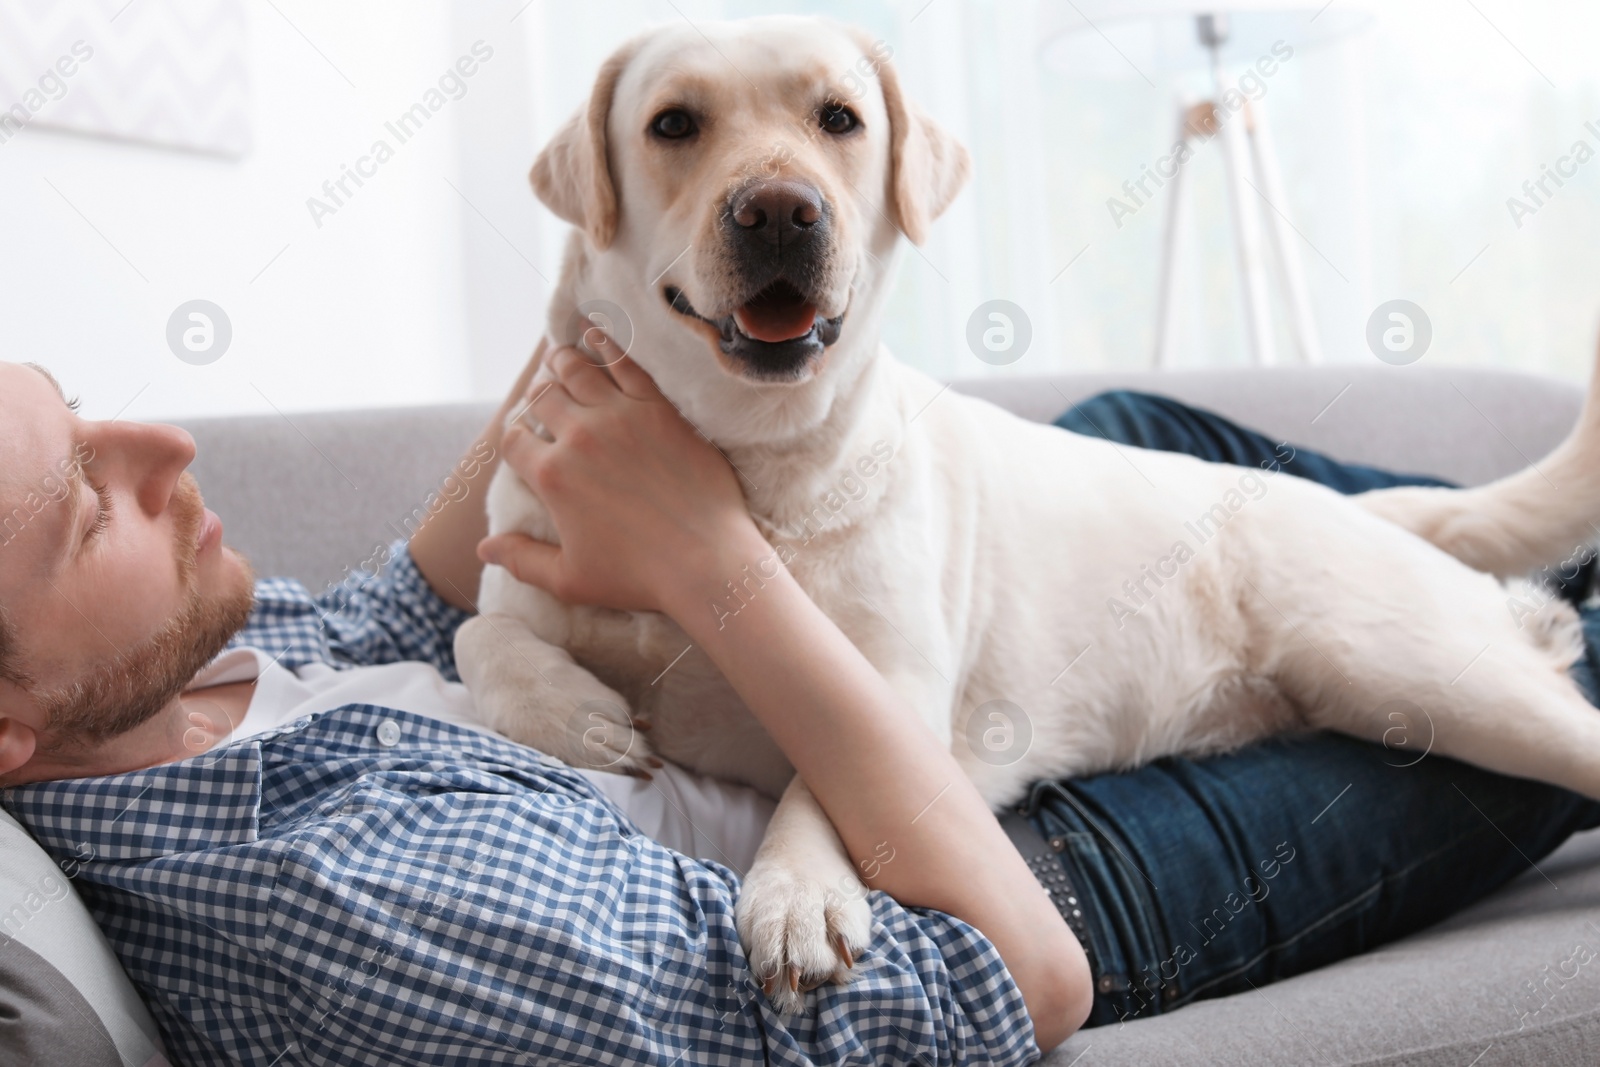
407	601
444	547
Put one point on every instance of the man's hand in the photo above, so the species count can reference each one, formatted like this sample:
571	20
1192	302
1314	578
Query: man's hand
637	496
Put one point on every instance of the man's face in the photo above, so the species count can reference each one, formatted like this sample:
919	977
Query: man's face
113	579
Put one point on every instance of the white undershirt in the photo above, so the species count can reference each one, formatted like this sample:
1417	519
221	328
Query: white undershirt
696	816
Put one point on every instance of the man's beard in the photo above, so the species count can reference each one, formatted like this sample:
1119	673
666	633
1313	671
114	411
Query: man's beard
131	688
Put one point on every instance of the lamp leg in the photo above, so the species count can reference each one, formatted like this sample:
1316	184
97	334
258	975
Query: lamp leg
1302	321
1172	238
1246	228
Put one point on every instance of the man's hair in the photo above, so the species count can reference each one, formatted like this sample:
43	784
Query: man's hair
127	690
9	671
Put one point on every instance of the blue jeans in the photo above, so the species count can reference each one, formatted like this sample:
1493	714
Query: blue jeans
1205	877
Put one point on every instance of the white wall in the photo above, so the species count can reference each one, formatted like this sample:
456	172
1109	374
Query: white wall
377	306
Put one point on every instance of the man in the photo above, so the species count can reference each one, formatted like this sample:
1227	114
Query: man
382	881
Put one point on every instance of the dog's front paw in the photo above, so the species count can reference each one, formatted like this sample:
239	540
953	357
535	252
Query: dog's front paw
602	735
799	932
537	694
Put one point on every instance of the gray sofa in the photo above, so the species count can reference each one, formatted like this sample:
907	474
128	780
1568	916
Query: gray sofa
309	494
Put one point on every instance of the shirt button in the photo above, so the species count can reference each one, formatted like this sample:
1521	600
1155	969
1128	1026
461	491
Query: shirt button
1105	984
388	733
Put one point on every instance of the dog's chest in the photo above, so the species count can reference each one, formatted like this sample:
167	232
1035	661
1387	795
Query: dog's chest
694	717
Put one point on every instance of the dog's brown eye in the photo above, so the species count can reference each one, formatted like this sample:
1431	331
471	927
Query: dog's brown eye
837	118
673	124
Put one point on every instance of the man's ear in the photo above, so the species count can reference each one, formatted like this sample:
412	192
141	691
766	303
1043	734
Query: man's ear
573	173
17	744
928	167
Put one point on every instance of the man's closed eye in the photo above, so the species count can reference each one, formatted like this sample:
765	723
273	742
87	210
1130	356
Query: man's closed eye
102	517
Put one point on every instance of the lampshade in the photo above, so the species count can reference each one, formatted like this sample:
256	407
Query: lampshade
1127	38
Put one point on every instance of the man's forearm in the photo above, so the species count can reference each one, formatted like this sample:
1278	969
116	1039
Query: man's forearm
445	546
881	775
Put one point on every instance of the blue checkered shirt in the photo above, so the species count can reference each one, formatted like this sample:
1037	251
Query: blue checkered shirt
370	886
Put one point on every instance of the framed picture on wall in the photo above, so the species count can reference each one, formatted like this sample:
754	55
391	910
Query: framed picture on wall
171	73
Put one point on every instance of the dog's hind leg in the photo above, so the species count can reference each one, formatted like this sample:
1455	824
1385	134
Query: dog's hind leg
1507	714
1427	653
1522	522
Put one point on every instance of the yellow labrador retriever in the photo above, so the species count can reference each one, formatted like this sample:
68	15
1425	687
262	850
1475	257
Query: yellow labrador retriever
1053	605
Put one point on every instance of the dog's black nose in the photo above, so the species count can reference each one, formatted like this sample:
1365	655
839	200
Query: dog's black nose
777	215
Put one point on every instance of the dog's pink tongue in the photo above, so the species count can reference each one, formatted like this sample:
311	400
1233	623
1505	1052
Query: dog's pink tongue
776	316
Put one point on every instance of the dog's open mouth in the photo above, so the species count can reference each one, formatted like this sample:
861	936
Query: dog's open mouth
775	335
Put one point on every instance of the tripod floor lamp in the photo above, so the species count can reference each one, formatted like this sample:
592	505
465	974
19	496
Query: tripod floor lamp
1239	48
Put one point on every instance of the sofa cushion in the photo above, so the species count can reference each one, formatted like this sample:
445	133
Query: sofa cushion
64	999
1512	980
1461	424
260	472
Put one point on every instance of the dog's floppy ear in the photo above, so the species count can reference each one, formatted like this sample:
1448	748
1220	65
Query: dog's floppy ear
928	166
573	173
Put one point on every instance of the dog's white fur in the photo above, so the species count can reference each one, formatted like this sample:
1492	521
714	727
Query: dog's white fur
973	556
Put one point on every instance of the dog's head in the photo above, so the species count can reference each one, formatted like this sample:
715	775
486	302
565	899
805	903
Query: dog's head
740	187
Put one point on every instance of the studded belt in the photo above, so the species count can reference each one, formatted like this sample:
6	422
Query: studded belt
1044	860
